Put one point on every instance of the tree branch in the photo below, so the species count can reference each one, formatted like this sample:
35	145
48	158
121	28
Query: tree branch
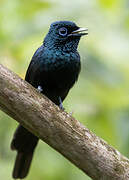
58	129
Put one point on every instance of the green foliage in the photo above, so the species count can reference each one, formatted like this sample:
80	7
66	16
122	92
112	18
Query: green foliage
109	4
100	99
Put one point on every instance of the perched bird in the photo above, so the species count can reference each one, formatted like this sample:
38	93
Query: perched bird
53	70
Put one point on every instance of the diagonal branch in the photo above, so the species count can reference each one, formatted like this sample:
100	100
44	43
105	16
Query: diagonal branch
58	129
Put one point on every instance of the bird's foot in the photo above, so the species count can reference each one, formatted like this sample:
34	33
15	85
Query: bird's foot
61	105
71	113
40	89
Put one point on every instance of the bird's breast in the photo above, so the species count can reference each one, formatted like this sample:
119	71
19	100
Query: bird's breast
60	74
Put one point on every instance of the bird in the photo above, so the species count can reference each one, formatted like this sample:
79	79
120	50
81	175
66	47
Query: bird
53	70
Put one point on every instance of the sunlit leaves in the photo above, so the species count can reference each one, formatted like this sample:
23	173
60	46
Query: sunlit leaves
109	4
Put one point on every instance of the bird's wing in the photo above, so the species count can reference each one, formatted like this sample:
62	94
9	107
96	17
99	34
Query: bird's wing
34	69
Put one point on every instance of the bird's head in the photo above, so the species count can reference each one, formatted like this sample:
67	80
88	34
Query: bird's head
64	35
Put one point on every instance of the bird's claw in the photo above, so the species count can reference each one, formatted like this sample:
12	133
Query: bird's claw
71	113
40	89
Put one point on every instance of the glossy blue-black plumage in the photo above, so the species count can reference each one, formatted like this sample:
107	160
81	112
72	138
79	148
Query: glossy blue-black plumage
54	67
55	71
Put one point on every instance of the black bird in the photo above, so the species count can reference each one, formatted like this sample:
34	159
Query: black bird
53	70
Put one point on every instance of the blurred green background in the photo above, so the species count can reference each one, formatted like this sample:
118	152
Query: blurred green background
100	99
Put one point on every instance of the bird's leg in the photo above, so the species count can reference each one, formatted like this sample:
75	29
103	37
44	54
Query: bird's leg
60	105
40	89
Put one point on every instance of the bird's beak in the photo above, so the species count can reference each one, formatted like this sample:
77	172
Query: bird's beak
80	31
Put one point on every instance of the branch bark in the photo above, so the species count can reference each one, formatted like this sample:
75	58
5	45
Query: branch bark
58	129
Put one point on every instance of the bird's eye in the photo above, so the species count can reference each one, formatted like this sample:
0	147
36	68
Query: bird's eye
63	31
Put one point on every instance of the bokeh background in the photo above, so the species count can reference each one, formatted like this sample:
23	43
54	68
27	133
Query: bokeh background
100	99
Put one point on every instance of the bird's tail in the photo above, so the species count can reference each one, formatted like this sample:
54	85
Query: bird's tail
22	165
24	143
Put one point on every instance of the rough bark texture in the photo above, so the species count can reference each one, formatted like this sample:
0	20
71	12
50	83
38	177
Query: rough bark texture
61	131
